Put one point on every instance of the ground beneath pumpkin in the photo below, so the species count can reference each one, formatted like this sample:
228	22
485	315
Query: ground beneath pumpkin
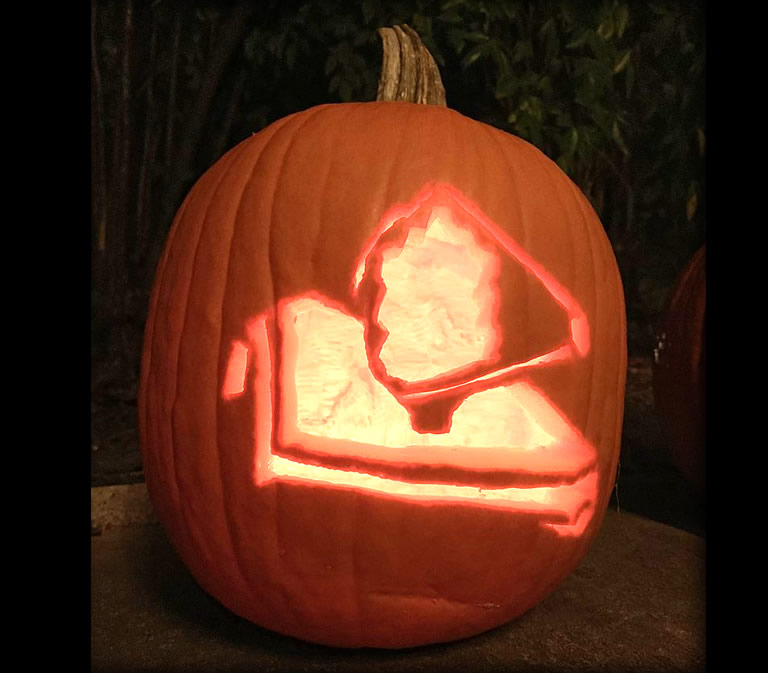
647	483
636	603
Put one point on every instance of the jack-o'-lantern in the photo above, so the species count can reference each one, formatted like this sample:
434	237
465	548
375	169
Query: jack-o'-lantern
383	376
679	371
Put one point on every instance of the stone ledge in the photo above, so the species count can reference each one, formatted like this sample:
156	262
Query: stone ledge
122	505
636	603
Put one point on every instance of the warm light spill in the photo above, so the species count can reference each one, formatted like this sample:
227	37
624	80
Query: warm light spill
234	379
337	396
408	399
329	393
558	507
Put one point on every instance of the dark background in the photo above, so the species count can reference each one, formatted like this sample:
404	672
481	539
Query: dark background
613	91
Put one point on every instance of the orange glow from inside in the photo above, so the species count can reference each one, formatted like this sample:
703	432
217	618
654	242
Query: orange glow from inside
234	379
407	397
436	306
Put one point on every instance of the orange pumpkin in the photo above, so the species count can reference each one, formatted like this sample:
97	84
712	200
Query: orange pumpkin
383	374
679	371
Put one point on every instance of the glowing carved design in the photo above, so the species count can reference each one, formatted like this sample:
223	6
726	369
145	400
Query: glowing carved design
408	399
432	287
234	383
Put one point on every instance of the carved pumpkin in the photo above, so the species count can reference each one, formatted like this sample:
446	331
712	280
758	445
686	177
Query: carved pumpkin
679	371
383	376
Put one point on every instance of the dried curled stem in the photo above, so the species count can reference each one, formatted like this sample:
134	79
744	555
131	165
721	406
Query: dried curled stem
408	71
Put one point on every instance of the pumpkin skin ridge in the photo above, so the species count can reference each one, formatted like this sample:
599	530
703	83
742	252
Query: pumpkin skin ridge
525	229
392	168
225	293
283	497
362	608
526	225
492	133
207	223
357	594
590	411
610	473
289	129
261	155
320	216
323	226
578	199
621	376
187	532
557	184
278	501
309	115
555	189
360	596
180	532
146	365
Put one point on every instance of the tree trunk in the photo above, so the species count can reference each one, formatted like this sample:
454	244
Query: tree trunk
171	110
180	165
222	137
120	181
98	151
147	166
229	37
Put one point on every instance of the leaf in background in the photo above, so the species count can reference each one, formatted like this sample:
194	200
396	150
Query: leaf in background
702	141
472	56
450	16
606	28
521	51
330	63
333	84
549	72
622	18
622	63
253	46
423	26
547	27
290	55
618	138
368	8
579	40
574	140
692	203
506	86
476	36
455	38
653	292
629	80
345	91
535	107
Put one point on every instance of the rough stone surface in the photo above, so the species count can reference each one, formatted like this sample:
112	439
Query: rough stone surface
120	505
636	603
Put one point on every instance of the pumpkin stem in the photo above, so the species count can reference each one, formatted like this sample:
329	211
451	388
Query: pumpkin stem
408	71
